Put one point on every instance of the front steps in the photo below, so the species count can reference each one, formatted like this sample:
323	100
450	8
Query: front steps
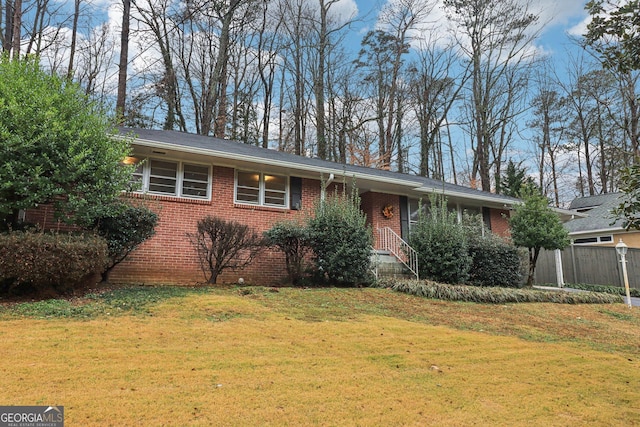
388	266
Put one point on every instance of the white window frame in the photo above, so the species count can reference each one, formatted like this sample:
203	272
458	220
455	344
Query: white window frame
145	177
262	190
599	241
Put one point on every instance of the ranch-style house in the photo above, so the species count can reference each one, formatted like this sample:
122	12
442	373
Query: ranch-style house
185	177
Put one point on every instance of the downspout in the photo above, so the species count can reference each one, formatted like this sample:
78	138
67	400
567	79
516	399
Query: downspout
323	193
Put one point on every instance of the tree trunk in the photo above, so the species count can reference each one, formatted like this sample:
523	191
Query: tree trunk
219	73
74	36
15	32
319	84
124	60
533	260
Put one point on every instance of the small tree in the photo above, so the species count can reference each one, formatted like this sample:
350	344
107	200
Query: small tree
441	245
292	239
124	227
535	226
222	245
341	240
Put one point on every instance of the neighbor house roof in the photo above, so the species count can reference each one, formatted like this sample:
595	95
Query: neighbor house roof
237	154
599	216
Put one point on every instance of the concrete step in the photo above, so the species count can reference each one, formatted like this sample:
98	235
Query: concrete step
389	266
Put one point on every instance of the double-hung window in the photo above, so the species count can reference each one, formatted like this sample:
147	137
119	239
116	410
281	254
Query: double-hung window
262	189
173	178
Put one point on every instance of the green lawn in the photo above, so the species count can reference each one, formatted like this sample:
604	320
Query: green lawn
363	357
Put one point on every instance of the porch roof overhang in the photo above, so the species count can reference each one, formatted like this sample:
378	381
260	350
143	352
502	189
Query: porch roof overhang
481	198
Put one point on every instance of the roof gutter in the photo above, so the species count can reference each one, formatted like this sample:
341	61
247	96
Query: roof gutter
599	231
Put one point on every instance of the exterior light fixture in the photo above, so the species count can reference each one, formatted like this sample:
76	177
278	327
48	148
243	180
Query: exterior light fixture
128	160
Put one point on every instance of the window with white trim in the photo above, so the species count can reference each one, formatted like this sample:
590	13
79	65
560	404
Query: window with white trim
173	178
593	240
261	189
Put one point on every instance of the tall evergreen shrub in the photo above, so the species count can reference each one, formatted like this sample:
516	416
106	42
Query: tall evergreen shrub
441	245
341	240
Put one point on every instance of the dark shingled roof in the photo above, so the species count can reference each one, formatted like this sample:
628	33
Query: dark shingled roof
581	203
599	216
213	145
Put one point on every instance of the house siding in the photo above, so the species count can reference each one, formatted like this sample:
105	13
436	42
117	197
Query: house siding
169	257
45	218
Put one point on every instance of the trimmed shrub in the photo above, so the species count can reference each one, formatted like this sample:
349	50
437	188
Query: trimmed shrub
441	245
222	245
35	262
292	239
341	241
494	263
124	228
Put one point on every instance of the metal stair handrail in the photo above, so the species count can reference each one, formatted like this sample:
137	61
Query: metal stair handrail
390	241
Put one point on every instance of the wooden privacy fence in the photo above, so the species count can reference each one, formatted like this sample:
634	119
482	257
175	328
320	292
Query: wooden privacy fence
595	265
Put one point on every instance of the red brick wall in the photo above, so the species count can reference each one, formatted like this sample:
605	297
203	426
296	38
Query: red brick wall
372	205
45	218
169	257
500	222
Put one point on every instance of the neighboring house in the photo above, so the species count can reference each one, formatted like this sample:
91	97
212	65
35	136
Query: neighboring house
185	177
598	225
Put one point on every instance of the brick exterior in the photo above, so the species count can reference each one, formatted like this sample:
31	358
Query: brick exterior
372	205
500	222
44	217
169	257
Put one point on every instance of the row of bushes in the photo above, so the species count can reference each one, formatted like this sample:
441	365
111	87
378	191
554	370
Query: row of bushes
495	295
35	262
448	252
332	246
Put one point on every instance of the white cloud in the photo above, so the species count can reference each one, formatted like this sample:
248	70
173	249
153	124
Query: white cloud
344	10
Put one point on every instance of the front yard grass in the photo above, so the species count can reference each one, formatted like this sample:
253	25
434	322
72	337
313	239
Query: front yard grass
368	357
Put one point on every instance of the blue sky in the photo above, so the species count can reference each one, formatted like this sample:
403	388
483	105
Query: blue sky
562	19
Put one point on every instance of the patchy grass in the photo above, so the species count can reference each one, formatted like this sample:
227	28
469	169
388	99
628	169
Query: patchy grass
368	357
